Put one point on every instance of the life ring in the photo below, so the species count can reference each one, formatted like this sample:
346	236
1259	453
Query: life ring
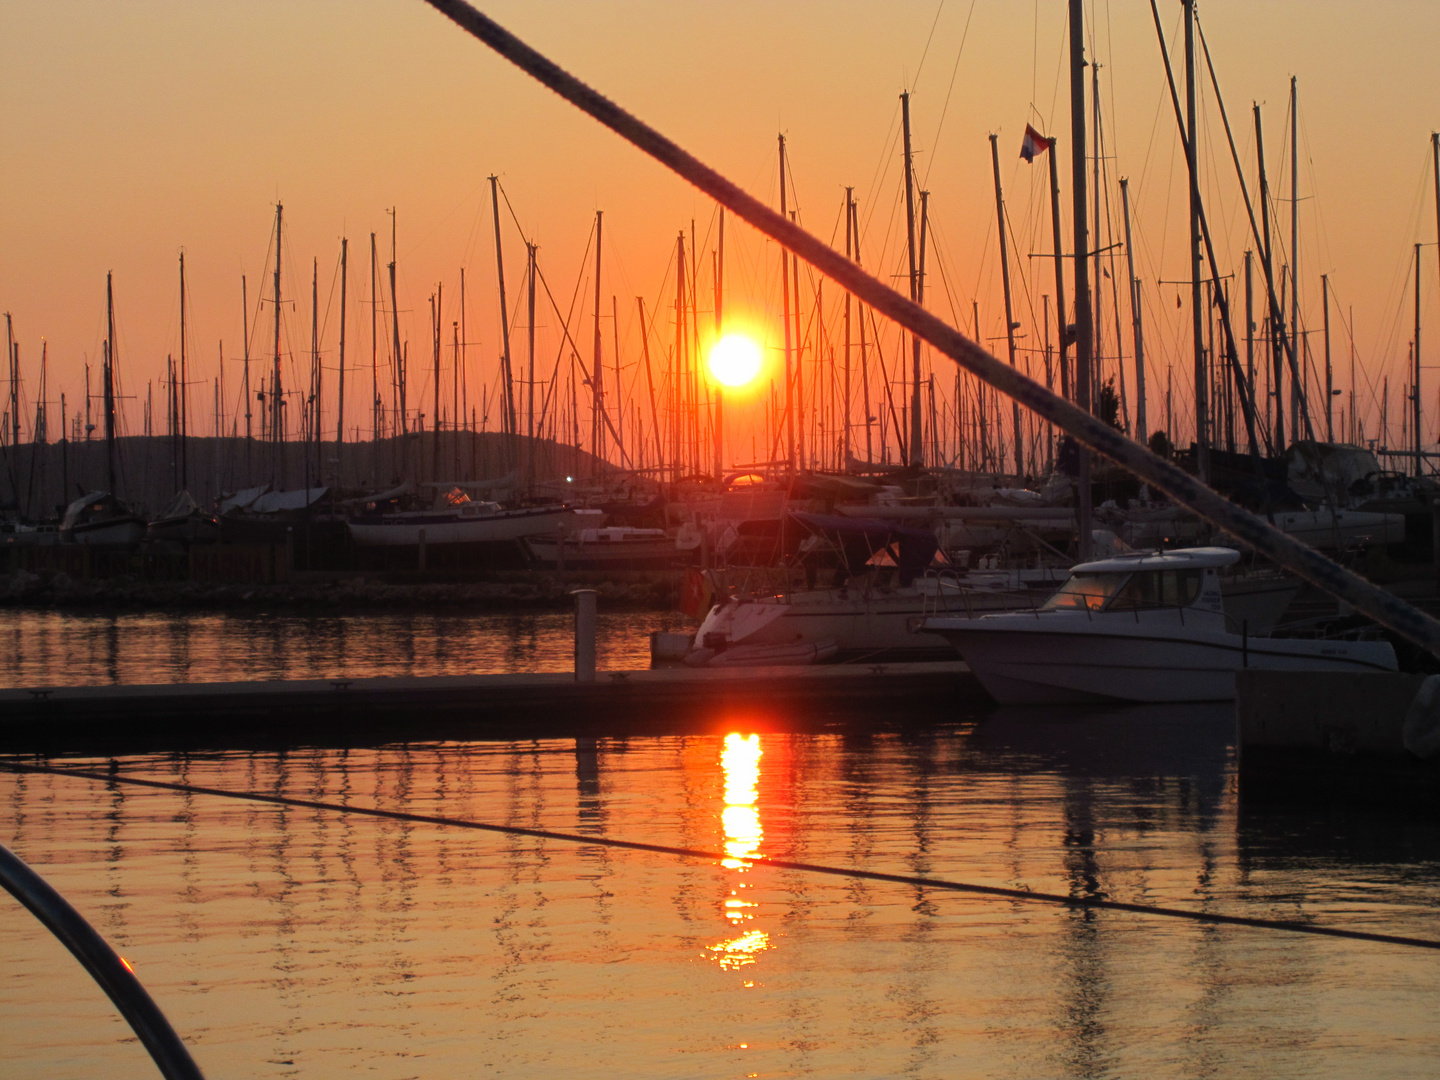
1421	733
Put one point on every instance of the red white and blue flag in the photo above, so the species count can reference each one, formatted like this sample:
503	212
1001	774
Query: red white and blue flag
1034	143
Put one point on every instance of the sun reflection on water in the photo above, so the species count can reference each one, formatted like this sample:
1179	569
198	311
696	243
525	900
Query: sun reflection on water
740	819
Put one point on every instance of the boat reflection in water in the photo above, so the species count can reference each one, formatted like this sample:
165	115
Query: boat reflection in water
740	759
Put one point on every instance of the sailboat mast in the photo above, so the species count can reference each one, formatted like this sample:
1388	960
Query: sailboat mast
1141	430
376	409
845	453
184	384
398	365
530	365
437	320
597	367
109	385
1005	284
340	390
785	315
313	435
650	387
1197	308
1082	271
245	322
1415	384
1296	389
1059	271
916	457
277	430
507	405
1329	374
719	332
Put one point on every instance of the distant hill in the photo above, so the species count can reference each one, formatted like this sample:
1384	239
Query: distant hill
38	479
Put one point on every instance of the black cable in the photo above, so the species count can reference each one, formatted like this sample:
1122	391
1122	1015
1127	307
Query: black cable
1079	902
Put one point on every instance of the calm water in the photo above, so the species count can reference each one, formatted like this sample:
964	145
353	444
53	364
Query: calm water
40	648
295	943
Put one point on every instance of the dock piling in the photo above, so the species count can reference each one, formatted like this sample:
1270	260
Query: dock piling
584	635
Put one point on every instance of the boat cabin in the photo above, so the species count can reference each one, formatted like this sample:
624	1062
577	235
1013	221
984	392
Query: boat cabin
1186	578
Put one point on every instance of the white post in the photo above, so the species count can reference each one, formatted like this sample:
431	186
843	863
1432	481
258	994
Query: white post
584	635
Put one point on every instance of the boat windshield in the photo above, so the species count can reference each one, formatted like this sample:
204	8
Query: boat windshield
1124	591
1087	591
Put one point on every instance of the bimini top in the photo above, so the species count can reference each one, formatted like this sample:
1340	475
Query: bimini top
1200	558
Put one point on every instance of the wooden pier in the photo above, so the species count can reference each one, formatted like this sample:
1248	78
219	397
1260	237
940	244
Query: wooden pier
1309	737
129	719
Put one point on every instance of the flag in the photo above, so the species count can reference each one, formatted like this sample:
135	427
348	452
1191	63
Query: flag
1034	143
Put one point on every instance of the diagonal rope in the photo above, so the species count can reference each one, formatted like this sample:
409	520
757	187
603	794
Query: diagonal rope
992	891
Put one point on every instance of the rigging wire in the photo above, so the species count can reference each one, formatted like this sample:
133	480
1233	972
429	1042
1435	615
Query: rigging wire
943	884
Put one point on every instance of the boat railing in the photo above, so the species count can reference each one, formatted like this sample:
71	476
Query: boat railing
105	966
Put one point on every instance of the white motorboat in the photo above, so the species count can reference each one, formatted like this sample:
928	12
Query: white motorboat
459	521
1140	627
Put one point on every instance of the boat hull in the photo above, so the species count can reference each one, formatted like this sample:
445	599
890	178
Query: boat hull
119	530
880	623
1060	663
404	530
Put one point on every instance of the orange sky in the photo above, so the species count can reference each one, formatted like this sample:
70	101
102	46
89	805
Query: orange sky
132	131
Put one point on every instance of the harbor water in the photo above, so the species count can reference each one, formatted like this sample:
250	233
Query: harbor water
61	648
289	942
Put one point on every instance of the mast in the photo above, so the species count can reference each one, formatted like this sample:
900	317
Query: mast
1141	431
245	321
864	350
184	384
340	403
108	385
277	428
1059	272
719	333
1197	312
679	383
1005	283
597	373
507	404
399	363
1082	272
438	319
1276	311
1097	357
12	361
1329	374
785	315
650	386
376	409
530	250
619	396
916	457
1296	389
314	410
1415	385
1250	323
849	254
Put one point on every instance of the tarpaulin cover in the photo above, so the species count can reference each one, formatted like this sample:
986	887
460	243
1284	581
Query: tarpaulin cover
860	538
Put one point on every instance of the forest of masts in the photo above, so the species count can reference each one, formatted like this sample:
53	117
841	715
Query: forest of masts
624	378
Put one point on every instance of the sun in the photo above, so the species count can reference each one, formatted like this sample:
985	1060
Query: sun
735	360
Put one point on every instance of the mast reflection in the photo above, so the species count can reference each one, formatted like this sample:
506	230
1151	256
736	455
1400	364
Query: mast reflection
740	818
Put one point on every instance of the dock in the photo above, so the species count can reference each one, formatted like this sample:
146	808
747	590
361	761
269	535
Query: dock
1308	737
128	719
